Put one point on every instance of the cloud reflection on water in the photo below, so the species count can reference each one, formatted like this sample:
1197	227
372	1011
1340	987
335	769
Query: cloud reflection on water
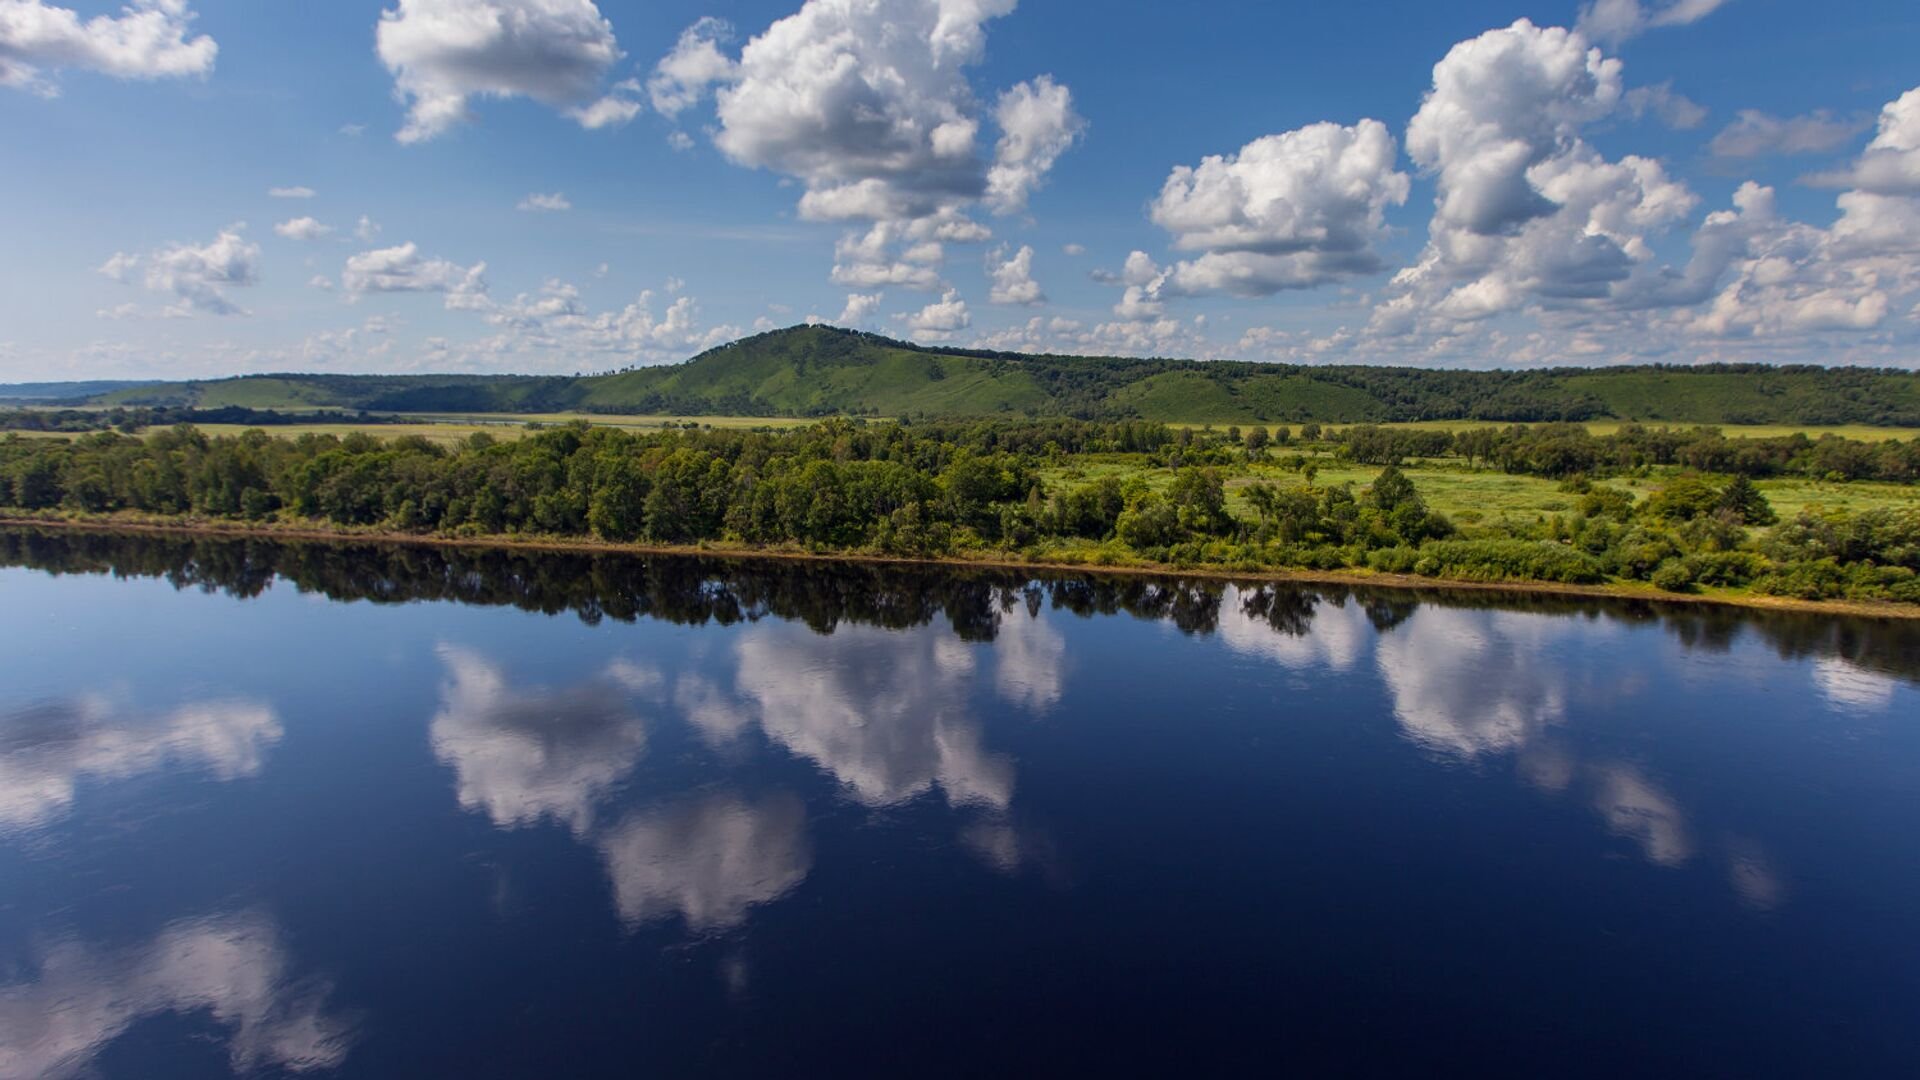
1475	684
233	968
524	755
710	860
884	713
48	748
521	755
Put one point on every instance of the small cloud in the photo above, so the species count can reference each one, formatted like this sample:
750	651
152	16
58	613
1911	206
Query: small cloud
353	131
297	192
545	204
674	285
321	282
120	266
302	228
367	229
1667	105
1756	134
610	111
680	140
1074	249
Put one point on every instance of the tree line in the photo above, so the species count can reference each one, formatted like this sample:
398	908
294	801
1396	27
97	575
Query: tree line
824	595
943	489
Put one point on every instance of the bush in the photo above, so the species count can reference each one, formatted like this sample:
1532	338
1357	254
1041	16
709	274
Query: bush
1673	576
1512	560
1727	568
1393	560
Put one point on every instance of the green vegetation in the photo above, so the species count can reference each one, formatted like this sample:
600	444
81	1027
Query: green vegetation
1679	510
816	371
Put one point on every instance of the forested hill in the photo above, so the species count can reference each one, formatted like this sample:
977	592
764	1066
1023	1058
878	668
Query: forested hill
818	370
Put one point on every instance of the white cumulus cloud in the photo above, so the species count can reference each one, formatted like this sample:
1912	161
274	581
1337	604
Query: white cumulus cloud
1891	164
860	308
147	40
442	53
868	105
198	275
303	228
1285	211
1037	125
1013	279
404	269
695	66
942	318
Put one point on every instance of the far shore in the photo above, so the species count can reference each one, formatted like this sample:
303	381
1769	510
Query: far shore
141	524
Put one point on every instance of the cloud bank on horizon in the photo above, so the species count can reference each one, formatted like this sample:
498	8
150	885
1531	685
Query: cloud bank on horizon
1532	198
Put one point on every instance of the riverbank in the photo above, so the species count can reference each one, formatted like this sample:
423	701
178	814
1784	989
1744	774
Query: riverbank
308	531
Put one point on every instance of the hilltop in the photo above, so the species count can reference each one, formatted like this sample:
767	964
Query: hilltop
820	371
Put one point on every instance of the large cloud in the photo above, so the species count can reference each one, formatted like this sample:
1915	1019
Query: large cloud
867	103
147	40
444	52
1285	211
1526	212
1501	104
231	969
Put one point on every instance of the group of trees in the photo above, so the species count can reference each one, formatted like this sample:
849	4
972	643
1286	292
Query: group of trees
131	419
933	489
1562	450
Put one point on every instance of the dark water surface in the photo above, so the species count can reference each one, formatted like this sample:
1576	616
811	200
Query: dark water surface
366	811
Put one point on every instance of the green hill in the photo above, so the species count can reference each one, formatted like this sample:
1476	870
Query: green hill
818	371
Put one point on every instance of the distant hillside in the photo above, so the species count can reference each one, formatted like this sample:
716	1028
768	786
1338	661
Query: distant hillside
818	370
41	393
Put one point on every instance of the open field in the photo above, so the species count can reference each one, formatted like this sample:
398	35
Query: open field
1481	496
454	427
619	420
1862	432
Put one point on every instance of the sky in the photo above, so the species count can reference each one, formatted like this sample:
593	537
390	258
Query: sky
210	187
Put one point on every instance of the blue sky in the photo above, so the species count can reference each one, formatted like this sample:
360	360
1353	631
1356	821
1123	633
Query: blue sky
560	185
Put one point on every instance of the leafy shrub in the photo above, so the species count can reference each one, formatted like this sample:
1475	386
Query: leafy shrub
1512	560
1674	575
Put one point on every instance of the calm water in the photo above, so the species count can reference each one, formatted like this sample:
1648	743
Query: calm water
385	812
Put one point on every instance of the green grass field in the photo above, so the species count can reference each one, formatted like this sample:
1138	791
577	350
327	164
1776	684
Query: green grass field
1481	496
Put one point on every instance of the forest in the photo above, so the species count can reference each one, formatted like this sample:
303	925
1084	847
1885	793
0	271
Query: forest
1175	497
819	371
